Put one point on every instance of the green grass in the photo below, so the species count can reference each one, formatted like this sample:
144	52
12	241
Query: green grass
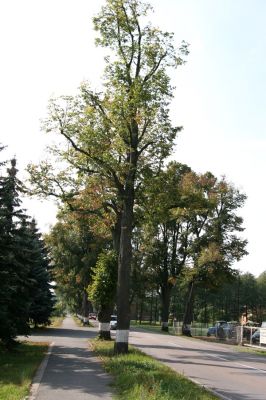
138	376
247	349
18	368
151	327
80	323
56	321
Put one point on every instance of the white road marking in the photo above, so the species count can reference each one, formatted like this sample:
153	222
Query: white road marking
218	357
249	366
174	344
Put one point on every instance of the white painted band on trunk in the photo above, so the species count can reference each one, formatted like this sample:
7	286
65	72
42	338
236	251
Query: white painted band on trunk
165	324
104	327
122	336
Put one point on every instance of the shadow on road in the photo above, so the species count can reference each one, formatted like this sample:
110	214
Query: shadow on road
79	333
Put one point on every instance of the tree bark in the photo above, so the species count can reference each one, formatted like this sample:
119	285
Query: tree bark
165	299
123	284
188	315
85	307
104	317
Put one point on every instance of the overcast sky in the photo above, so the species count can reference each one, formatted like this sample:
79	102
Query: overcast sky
47	48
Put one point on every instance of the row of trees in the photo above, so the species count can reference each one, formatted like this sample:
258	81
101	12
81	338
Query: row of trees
24	278
184	236
243	296
154	220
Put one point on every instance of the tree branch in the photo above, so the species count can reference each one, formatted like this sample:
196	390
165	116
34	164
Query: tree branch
155	68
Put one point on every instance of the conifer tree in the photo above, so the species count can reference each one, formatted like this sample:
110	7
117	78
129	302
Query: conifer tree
24	278
41	297
13	270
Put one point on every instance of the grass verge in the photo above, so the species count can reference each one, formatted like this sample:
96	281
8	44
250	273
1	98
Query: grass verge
138	376
151	327
18	368
80	323
56	321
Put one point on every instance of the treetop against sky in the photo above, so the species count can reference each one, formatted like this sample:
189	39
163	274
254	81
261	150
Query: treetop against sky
48	49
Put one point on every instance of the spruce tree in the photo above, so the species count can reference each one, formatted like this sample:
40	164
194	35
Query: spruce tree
24	277
13	269
41	297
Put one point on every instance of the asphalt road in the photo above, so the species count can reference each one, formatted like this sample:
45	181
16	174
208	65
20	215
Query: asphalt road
230	374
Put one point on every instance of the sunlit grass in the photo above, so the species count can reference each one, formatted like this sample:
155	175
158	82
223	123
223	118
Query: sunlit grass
56	321
80	323
138	376
18	368
151	327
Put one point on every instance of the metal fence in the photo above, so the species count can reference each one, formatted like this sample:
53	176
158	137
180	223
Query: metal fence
234	334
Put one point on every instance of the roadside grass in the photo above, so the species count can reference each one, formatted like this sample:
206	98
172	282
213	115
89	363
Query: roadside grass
56	321
151	327
247	349
18	368
80	323
138	376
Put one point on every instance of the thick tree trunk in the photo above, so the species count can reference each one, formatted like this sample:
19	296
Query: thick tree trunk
125	250
123	284
104	317
188	315
85	307
151	308
116	233
165	300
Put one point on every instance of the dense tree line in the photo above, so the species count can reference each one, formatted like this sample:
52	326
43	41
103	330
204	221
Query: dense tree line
184	244
24	277
242	296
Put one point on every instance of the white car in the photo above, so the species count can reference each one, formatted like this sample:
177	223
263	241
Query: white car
113	322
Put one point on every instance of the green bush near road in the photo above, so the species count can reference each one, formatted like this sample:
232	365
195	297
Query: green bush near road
18	368
138	376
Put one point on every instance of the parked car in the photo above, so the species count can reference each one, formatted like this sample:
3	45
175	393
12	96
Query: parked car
221	329
113	322
92	316
255	338
212	330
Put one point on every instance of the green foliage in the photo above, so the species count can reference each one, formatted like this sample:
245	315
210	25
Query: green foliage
261	284
73	249
14	302
102	289
40	290
117	135
23	266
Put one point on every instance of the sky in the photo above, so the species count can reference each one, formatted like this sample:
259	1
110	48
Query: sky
47	49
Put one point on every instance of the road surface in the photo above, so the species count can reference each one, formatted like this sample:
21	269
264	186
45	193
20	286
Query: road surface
231	374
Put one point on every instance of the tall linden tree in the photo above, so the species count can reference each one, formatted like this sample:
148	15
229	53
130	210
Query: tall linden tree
116	134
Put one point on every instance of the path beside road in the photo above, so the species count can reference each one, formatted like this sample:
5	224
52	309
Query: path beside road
72	371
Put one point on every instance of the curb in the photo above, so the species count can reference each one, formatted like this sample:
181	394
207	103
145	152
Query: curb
39	374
